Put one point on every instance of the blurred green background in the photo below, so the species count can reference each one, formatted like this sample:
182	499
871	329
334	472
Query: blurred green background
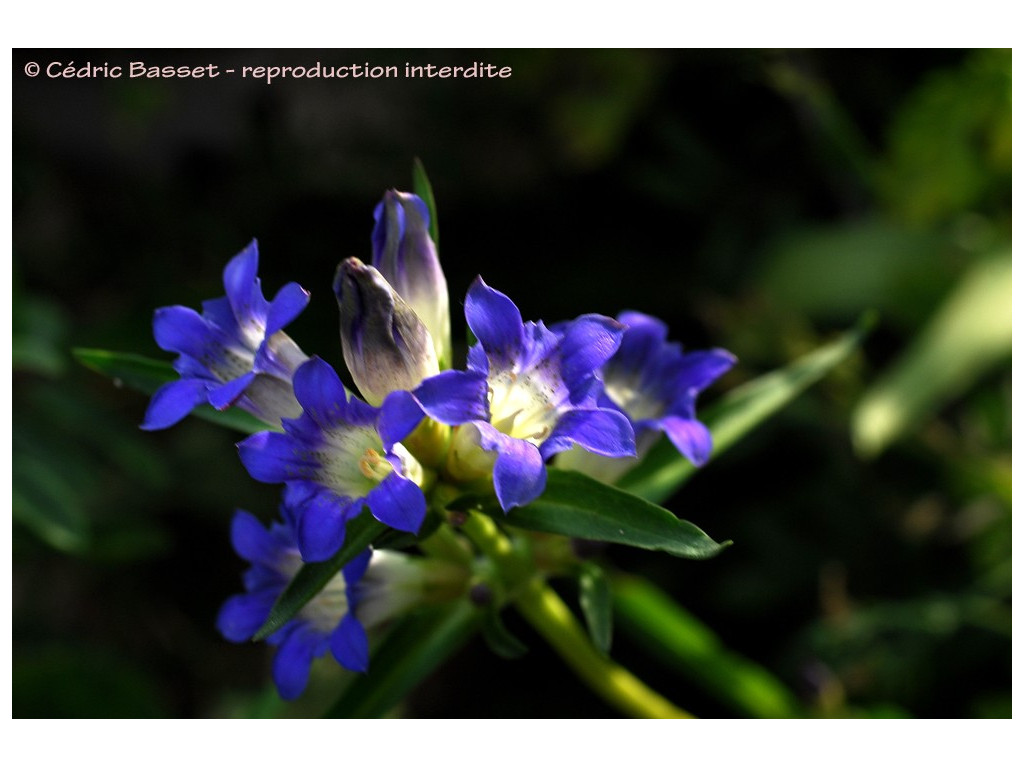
755	200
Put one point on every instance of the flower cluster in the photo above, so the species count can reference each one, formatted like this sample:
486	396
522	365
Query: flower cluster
591	394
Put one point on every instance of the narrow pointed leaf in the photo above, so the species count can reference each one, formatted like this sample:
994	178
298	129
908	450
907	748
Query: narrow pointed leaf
971	333
663	470
360	532
413	649
502	642
421	187
147	375
689	647
578	506
596	602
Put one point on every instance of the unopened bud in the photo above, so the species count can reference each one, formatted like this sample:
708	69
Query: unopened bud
407	257
386	346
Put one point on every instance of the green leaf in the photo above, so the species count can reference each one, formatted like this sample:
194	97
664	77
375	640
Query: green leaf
147	375
360	532
596	602
502	642
663	470
971	333
578	506
412	650
680	640
421	187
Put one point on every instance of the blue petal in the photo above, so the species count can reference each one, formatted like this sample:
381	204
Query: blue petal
242	615
321	530
700	369
291	663
398	502
519	473
690	437
251	540
598	430
350	645
272	457
320	392
286	306
454	397
218	312
182	330
494	320
353	572
643	338
588	343
400	414
225	395
173	402
242	285
476	360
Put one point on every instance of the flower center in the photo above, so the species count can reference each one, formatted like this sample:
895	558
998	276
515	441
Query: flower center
626	392
374	466
351	461
522	405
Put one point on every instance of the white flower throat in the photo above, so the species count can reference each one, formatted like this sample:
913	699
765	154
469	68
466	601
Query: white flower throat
522	405
626	392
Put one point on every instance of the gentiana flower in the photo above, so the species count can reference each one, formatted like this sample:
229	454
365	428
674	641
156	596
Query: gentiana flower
528	394
234	353
406	256
333	462
385	344
373	588
655	384
328	621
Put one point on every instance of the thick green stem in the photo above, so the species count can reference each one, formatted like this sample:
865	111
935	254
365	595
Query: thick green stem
551	617
544	609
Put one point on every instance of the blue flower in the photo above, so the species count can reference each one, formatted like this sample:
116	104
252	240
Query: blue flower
528	394
407	258
655	384
328	621
385	344
234	353
333	462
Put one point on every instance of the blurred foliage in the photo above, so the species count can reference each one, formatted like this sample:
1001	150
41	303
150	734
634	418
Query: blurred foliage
758	201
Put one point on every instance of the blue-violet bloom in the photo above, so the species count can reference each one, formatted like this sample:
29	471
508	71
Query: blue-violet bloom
234	353
385	344
333	462
328	621
655	384
528	394
406	256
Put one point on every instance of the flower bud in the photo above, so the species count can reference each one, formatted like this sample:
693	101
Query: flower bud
407	257
386	346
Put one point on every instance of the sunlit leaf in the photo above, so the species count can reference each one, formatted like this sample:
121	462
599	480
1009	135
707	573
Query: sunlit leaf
663	470
311	578
578	506
411	651
680	640
971	333
147	375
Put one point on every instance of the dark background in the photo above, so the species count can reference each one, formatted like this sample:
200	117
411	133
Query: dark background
755	200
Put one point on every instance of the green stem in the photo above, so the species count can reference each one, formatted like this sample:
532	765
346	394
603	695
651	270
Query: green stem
551	617
445	544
